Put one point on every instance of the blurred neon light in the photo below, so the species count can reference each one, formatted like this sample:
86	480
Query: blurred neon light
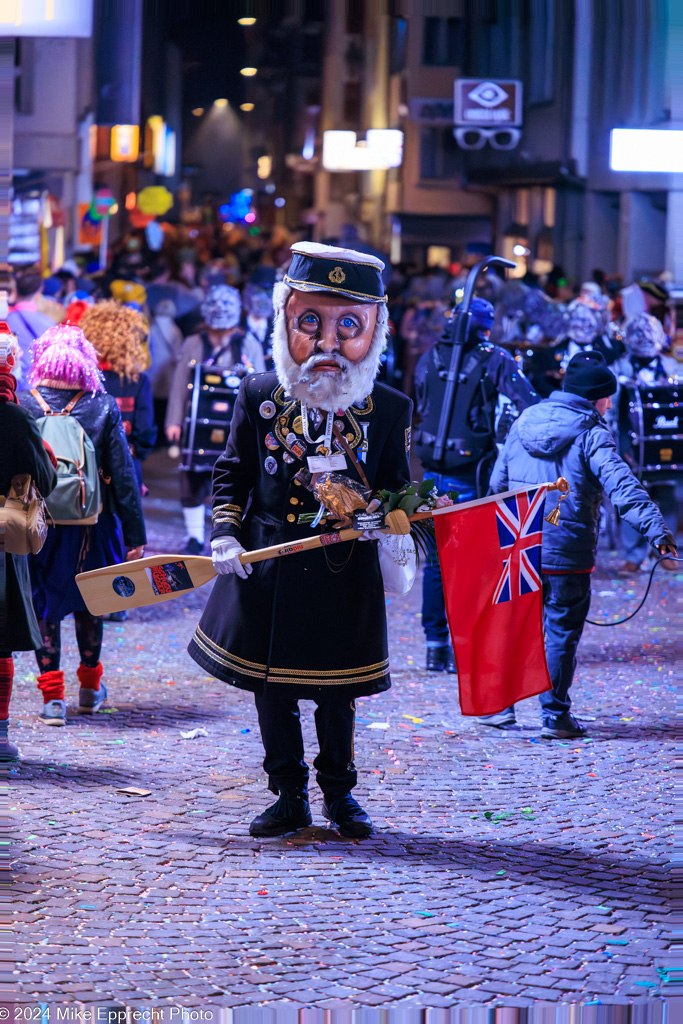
646	149
383	148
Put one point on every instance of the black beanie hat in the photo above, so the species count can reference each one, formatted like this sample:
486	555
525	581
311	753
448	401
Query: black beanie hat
589	376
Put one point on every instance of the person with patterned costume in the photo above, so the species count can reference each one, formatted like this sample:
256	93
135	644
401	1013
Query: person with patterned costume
313	625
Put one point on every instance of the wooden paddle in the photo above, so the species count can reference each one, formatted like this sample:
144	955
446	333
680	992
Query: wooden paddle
163	577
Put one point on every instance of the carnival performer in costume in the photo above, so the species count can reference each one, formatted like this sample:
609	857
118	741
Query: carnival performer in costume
68	385
117	334
21	451
312	626
220	343
644	366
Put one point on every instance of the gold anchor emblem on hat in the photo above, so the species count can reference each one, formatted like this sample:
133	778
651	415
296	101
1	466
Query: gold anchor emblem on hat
337	276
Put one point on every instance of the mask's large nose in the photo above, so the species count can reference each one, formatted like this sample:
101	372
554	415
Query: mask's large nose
328	341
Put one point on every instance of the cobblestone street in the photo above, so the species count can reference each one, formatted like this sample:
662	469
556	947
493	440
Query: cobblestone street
505	869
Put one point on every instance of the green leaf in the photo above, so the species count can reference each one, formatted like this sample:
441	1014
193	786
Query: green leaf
410	503
393	501
425	488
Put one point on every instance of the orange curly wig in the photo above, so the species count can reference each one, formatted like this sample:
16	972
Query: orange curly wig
118	334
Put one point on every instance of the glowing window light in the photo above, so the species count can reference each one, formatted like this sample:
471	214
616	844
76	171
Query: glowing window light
249	72
382	149
646	149
246	21
246	107
198	111
125	143
264	166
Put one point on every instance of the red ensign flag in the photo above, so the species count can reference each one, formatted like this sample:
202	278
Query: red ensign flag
490	555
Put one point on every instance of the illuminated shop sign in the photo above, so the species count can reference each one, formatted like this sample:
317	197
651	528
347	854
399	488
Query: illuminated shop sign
46	18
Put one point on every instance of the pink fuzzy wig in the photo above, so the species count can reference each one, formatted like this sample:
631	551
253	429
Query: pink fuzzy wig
64	354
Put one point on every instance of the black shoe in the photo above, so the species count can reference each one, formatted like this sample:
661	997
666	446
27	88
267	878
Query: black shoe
450	663
562	727
121	616
437	658
194	547
291	812
348	816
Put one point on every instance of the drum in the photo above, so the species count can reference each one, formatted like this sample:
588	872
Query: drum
212	392
655	428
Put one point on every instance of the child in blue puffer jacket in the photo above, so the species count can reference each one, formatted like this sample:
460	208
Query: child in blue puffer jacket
566	435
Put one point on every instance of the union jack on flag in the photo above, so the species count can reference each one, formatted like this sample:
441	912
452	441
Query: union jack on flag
520	524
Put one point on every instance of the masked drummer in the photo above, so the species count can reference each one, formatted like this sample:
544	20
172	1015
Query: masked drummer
642	367
219	343
311	626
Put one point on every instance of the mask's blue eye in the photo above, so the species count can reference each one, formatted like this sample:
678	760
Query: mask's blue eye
308	320
347	322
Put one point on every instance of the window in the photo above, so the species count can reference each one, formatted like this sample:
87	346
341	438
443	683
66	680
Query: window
442	44
399	35
541	31
440	155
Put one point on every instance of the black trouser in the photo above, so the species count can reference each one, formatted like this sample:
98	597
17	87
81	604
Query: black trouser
89	630
280	721
195	487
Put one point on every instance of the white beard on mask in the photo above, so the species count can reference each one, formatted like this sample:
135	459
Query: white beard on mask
325	391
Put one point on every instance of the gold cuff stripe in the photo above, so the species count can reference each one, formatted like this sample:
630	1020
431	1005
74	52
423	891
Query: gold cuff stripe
229	508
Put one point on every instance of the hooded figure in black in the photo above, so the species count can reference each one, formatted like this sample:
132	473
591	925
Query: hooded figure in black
486	372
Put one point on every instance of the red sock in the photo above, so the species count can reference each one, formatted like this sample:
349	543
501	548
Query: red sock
89	676
52	685
6	677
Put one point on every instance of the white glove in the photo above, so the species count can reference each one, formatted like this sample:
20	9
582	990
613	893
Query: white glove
225	552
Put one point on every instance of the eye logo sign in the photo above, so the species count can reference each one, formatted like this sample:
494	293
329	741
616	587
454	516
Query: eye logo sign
485	110
488	94
487	102
337	276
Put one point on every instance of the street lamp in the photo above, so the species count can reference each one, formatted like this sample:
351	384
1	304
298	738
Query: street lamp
246	21
248	72
221	103
246	107
198	111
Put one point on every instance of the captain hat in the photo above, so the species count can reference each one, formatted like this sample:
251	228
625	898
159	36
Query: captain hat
327	268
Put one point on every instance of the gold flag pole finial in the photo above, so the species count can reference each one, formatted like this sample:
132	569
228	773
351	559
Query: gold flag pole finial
562	488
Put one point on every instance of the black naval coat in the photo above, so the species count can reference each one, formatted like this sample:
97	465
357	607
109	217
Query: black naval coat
304	623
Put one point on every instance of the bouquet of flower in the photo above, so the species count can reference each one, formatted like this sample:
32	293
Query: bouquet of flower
413	499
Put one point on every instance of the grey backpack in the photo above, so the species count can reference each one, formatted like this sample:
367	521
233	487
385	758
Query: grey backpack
76	499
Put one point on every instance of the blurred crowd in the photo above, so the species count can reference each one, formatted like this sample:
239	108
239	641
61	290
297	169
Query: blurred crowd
543	321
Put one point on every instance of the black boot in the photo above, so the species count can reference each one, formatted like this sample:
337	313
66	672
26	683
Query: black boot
348	816
450	663
289	813
437	658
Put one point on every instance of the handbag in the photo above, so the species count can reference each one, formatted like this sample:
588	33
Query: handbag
23	517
